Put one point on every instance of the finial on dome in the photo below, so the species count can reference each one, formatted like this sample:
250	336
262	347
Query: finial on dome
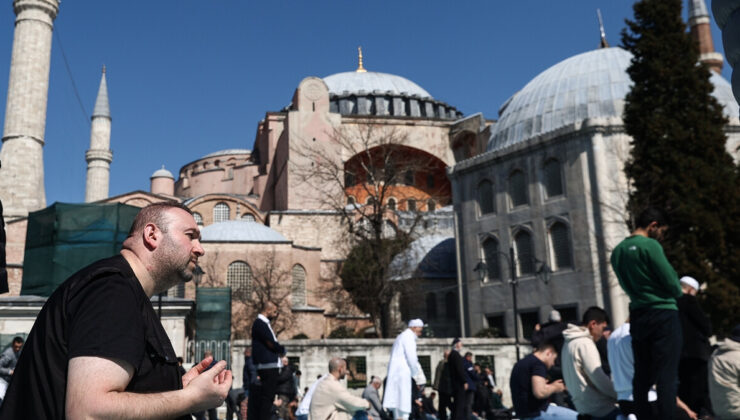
603	43
360	69
103	68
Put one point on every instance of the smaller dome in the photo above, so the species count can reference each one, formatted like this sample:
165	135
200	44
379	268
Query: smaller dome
240	231
162	173
228	152
429	257
354	82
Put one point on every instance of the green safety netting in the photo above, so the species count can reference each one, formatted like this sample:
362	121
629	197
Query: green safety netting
213	313
63	238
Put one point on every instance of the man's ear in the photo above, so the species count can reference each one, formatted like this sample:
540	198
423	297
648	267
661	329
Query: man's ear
151	236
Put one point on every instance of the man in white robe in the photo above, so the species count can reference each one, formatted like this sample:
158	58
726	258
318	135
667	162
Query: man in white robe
401	368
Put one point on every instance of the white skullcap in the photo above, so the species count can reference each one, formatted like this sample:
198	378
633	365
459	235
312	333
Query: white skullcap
416	323
554	316
690	281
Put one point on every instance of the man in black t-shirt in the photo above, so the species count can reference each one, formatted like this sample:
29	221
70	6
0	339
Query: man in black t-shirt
97	348
530	389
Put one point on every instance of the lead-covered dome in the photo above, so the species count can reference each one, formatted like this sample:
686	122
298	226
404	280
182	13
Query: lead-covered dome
589	85
355	82
240	231
383	94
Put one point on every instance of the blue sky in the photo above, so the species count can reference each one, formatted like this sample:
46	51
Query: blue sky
188	77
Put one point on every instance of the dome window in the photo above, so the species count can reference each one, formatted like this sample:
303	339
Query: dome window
220	212
490	256
248	217
486	203
560	248
239	279
553	178
392	204
198	219
298	288
518	189
524	253
411	204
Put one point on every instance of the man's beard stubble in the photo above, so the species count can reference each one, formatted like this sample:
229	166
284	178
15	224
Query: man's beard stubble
170	267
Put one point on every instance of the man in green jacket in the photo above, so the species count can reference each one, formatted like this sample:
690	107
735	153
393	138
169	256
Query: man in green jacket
653	287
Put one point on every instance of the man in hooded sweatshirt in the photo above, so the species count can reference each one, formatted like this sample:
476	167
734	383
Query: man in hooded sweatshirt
724	377
592	390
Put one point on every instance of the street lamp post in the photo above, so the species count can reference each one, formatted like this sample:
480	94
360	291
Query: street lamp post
544	271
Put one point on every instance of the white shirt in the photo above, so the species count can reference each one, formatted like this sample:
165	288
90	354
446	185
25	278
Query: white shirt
403	366
622	363
305	405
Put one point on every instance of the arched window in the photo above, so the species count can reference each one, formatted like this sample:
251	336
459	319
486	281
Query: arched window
524	253
239	279
560	246
451	305
198	219
349	179
408	177
298	289
350	200
392	204
220	212
485	197
431	205
491	257
411	204
553	179
248	217
517	188
431	302
370	200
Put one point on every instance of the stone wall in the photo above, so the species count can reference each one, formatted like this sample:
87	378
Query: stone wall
314	356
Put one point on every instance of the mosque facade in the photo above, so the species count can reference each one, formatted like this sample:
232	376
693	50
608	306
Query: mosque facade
549	194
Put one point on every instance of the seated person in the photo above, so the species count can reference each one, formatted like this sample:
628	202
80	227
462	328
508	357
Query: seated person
724	377
530	390
332	401
592	390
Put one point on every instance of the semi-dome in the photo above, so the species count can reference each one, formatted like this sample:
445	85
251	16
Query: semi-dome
429	257
588	85
240	231
355	82
382	94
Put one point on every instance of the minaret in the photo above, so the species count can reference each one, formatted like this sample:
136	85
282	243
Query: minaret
702	33
99	156
22	157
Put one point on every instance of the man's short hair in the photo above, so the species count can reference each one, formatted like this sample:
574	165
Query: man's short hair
376	380
335	363
595	313
18	340
265	304
546	345
468	354
155	213
650	215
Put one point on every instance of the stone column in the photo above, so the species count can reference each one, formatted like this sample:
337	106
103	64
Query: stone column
22	172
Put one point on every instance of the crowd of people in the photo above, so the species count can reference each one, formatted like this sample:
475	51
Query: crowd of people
658	364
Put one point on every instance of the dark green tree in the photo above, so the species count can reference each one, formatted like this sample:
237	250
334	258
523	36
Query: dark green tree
679	162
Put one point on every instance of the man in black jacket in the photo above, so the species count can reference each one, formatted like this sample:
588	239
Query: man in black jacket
266	352
457	380
693	388
443	386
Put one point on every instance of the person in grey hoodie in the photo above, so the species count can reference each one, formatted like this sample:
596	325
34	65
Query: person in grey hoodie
8	360
592	390
724	377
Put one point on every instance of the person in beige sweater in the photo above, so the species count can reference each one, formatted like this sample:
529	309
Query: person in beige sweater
588	384
332	401
724	377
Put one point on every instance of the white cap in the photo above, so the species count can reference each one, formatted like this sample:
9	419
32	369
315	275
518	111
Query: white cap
554	316
690	281
416	323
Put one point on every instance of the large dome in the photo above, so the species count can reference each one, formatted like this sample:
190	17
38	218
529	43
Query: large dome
369	82
382	94
589	85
